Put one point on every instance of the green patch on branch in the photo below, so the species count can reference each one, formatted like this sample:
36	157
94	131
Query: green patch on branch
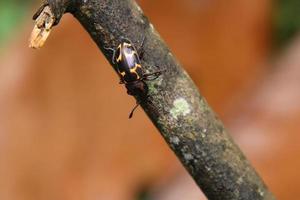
181	107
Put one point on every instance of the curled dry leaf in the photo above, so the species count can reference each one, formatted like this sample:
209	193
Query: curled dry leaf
42	28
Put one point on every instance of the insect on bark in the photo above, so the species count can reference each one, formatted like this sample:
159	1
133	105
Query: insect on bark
131	72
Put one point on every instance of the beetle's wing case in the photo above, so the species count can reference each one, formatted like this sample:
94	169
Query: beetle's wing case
129	65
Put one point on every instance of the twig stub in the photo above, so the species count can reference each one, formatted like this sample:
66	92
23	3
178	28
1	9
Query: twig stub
43	25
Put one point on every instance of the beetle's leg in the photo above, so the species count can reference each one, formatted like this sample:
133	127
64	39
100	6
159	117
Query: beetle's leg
114	53
135	107
129	92
121	81
142	43
141	49
152	76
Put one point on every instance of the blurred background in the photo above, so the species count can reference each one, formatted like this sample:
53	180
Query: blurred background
64	132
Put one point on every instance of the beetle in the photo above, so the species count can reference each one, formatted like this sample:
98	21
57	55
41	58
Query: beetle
130	70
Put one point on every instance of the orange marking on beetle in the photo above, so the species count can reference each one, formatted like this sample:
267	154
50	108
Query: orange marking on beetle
123	73
138	65
133	70
126	44
120	55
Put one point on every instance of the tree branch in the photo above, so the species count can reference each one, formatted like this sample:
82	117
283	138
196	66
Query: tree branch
175	106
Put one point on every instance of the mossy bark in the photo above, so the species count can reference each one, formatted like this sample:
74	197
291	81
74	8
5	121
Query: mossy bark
180	113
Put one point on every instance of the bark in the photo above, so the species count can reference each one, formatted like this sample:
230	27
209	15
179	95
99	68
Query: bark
179	112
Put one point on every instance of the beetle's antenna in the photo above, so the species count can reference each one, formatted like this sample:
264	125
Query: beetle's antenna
131	113
108	48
